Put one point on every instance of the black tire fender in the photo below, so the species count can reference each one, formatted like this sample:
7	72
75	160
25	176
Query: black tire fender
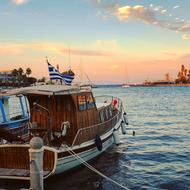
98	142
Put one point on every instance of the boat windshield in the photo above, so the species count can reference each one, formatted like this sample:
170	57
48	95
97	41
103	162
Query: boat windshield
13	108
18	107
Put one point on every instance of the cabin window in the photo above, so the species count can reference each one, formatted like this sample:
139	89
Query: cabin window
106	114
82	102
110	111
15	109
90	101
102	116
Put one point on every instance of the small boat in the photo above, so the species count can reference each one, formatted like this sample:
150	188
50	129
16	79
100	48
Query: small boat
71	121
125	86
14	116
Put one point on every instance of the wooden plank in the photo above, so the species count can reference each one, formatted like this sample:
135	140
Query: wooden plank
18	158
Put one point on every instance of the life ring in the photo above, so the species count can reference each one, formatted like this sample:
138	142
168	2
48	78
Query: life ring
98	142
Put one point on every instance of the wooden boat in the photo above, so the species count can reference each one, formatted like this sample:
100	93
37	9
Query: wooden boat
70	121
14	116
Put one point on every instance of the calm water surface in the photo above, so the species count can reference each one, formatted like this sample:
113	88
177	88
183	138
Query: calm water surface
157	157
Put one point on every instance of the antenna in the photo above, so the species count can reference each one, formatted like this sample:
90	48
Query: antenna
69	58
47	59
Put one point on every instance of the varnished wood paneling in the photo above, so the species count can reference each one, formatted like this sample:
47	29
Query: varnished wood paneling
18	158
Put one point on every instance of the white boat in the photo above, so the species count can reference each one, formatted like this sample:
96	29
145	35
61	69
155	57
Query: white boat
125	86
72	123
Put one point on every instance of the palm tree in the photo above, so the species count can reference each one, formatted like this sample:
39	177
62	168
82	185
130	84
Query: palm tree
182	76
28	71
20	71
14	72
182	68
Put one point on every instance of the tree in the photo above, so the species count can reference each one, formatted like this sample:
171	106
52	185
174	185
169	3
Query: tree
20	71
167	77
28	71
14	72
32	80
182	76
43	79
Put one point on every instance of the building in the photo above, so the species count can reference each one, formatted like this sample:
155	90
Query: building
6	76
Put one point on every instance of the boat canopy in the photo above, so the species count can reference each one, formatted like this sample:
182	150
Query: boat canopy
50	90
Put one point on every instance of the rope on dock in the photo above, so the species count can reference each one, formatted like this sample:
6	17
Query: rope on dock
94	169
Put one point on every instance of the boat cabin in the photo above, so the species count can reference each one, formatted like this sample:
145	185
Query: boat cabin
59	113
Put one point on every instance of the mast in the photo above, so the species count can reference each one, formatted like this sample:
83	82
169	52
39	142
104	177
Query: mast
69	58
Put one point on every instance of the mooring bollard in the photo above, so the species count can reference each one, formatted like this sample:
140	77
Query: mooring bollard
36	152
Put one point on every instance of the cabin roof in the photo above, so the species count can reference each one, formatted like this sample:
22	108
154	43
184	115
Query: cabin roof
48	90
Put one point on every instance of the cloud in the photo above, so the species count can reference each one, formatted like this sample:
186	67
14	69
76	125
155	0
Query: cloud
19	2
61	49
186	36
158	8
11	49
163	11
89	52
137	12
175	7
151	15
14	49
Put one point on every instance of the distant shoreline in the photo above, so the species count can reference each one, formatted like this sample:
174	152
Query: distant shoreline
158	85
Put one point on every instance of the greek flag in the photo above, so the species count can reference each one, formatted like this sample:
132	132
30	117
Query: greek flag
56	75
67	78
53	72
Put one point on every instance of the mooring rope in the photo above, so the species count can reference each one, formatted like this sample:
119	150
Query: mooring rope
94	169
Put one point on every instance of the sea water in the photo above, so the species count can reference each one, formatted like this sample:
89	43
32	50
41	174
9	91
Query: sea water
157	157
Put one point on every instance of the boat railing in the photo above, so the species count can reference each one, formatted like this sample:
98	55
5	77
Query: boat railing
89	133
109	100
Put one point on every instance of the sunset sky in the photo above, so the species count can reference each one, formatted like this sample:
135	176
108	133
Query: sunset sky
112	41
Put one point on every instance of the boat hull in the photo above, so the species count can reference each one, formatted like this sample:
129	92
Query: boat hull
87	151
69	162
